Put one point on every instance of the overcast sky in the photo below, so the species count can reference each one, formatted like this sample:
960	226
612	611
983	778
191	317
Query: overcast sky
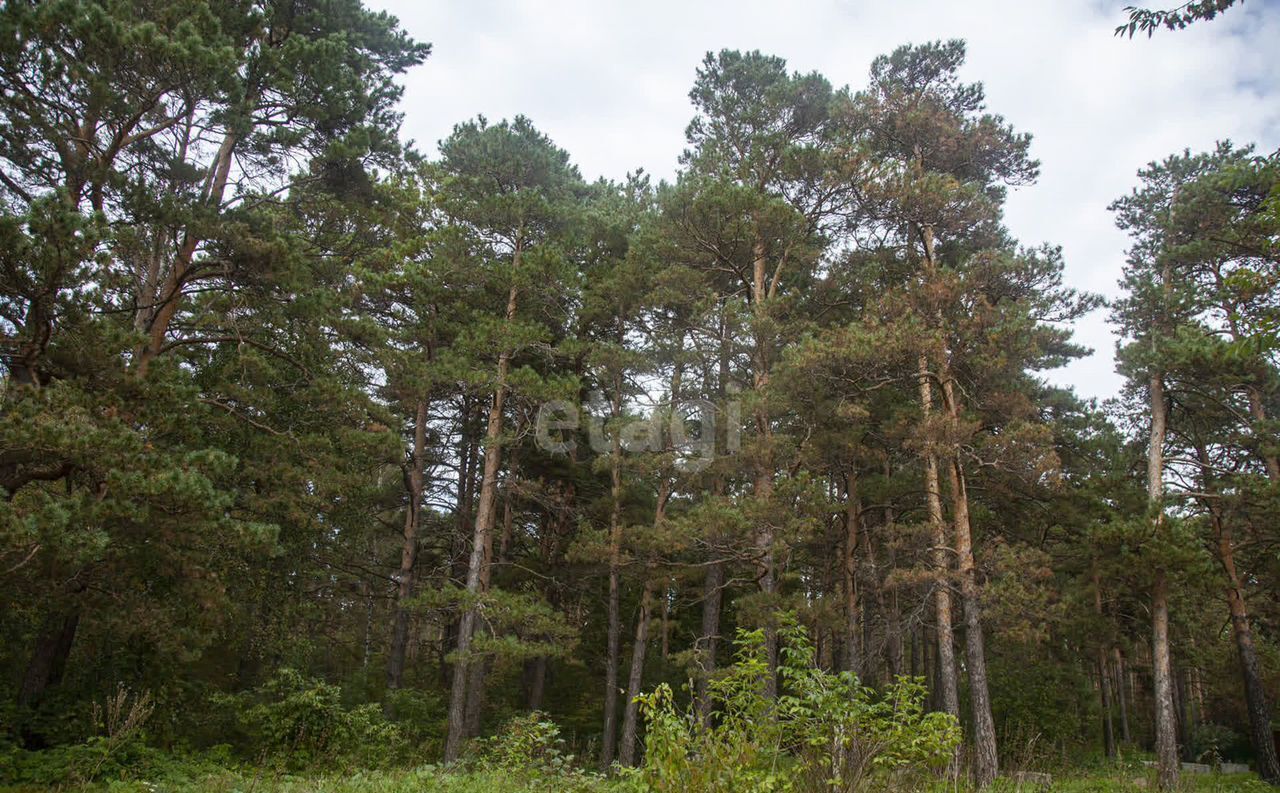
609	82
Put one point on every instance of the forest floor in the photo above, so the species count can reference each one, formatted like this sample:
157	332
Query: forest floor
433	779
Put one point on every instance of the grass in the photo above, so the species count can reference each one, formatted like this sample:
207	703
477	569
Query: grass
180	778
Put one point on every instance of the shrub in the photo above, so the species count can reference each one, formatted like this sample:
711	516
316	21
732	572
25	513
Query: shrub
303	722
528	750
824	732
115	744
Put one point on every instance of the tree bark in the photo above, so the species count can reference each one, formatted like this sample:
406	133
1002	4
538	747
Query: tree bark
986	761
168	299
1182	706
713	579
763	483
634	681
537	682
48	660
853	657
486	515
946	661
1104	678
1264	748
614	631
1122	694
1167	764
415	482
712	584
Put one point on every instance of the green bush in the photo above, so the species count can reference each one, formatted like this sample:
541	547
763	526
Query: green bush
302	722
115	745
824	732
529	751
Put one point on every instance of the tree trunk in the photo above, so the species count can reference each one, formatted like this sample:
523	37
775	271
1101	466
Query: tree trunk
414	481
763	483
946	661
628	751
537	682
1259	414
486	516
1108	722
713	579
917	661
1264	748
168	299
986	762
712	584
480	671
1104	679
1122	695
1167	763
48	660
1186	716
853	660
889	606
614	631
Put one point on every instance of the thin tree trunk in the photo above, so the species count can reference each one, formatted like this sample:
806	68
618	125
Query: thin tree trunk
1182	706
537	682
168	299
986	762
763	483
1108	721
1167	763
415	483
713	579
1104	679
614	631
709	640
1259	414
668	596
1122	695
946	661
891	609
480	671
486	515
634	681
1264	748
892	627
886	600
1231	310
853	659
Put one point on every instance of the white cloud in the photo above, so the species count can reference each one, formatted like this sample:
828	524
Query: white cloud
609	83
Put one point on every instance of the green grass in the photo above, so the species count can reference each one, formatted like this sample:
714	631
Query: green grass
426	779
433	779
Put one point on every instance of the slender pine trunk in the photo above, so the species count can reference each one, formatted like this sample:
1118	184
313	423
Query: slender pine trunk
614	631
486	518
635	679
1104	678
948	691
853	657
415	482
1167	763
1122	694
986	760
1260	733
